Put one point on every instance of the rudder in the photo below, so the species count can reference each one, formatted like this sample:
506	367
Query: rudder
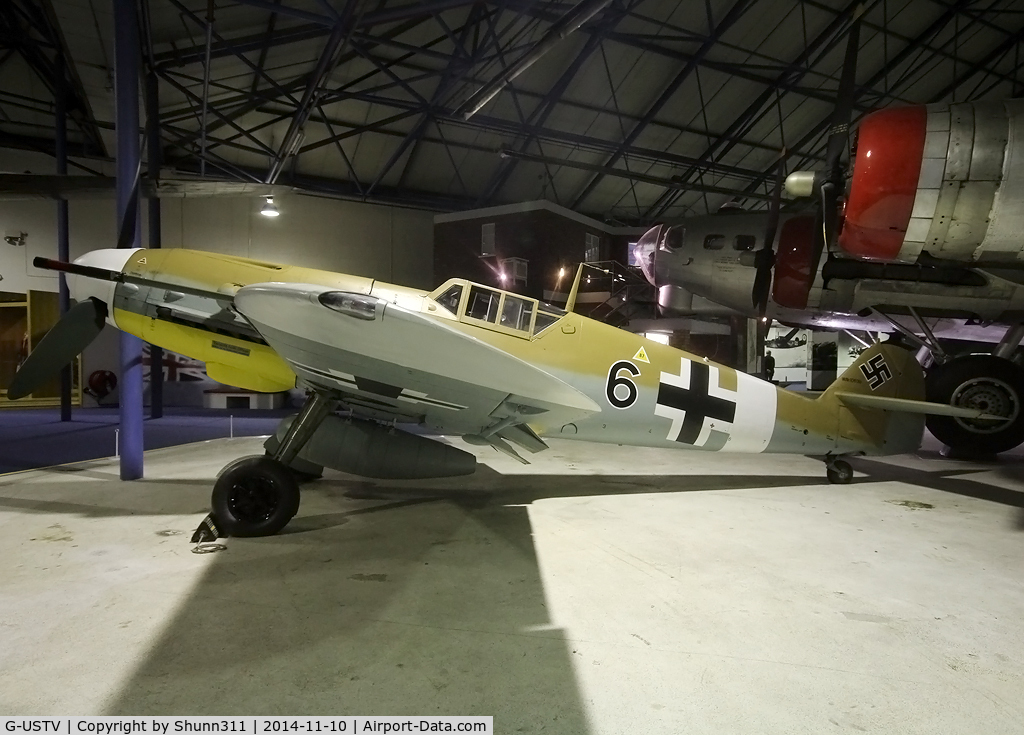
884	370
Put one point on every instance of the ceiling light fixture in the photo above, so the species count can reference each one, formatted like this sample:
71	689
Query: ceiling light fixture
269	210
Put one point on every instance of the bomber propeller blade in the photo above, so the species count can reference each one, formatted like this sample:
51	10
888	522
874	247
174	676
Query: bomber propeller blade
764	259
832	183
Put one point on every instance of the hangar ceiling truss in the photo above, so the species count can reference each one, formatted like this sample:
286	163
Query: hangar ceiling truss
649	109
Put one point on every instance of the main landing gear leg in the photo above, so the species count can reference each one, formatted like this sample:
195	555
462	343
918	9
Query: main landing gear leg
992	383
838	471
989	382
257	496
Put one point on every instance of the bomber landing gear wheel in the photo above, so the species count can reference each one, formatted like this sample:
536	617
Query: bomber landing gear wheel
256	496
839	472
985	382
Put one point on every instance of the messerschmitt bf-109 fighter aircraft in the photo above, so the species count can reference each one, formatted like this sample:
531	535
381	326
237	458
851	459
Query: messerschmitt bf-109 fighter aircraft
491	366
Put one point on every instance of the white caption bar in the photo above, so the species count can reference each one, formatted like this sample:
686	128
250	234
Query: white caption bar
346	724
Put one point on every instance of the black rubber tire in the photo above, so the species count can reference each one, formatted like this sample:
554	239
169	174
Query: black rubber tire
256	496
979	381
839	472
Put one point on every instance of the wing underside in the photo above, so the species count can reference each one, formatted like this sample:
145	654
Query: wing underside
394	362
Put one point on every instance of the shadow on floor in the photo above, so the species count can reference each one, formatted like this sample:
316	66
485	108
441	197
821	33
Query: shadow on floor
405	608
484	488
957	480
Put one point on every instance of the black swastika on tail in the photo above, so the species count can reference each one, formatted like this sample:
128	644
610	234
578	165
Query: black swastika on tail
876	372
696	402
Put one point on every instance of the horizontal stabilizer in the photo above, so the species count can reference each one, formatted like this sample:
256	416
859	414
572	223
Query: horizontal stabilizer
905	405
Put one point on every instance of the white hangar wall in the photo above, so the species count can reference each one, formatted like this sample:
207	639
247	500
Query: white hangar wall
390	243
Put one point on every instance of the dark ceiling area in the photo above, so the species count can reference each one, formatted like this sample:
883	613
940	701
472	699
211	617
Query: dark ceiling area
630	111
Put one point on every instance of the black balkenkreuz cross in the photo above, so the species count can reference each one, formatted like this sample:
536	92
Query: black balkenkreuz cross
694	402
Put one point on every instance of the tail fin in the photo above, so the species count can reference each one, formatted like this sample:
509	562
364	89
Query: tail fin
880	402
883	370
875	399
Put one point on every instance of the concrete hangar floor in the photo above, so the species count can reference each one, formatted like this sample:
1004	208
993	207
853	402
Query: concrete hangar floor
600	590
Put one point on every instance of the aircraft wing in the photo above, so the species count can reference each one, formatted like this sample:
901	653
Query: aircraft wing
393	361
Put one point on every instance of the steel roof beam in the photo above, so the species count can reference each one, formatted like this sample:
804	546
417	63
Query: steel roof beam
408	198
248	104
546	106
485	123
932	50
630	175
369	19
440	91
734	14
917	44
981	64
824	41
246	44
36	41
444	85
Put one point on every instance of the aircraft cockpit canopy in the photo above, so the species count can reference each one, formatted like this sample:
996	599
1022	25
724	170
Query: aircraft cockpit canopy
495	309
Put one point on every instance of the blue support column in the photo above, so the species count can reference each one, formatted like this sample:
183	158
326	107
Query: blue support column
63	251
156	354
126	86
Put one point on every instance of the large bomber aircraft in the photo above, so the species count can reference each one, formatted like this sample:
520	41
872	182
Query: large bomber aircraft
923	236
491	366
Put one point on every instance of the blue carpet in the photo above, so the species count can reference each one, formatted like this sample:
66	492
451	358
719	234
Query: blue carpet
31	438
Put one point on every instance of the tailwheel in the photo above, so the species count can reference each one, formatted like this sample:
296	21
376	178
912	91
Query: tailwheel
987	382
255	496
839	472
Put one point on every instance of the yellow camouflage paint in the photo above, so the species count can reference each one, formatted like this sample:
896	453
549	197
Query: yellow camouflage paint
574	346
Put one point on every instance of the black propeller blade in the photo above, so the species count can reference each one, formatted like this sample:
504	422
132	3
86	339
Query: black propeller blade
764	259
80	326
69	336
832	182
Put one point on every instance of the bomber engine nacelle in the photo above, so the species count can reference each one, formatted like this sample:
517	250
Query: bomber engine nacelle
943	179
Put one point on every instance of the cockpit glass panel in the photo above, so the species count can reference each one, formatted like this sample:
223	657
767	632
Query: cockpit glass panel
483	304
450	298
516	313
544	320
714	242
675	238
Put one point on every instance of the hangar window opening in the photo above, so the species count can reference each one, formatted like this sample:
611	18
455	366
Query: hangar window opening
487	239
450	299
744	243
714	242
483	304
631	256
